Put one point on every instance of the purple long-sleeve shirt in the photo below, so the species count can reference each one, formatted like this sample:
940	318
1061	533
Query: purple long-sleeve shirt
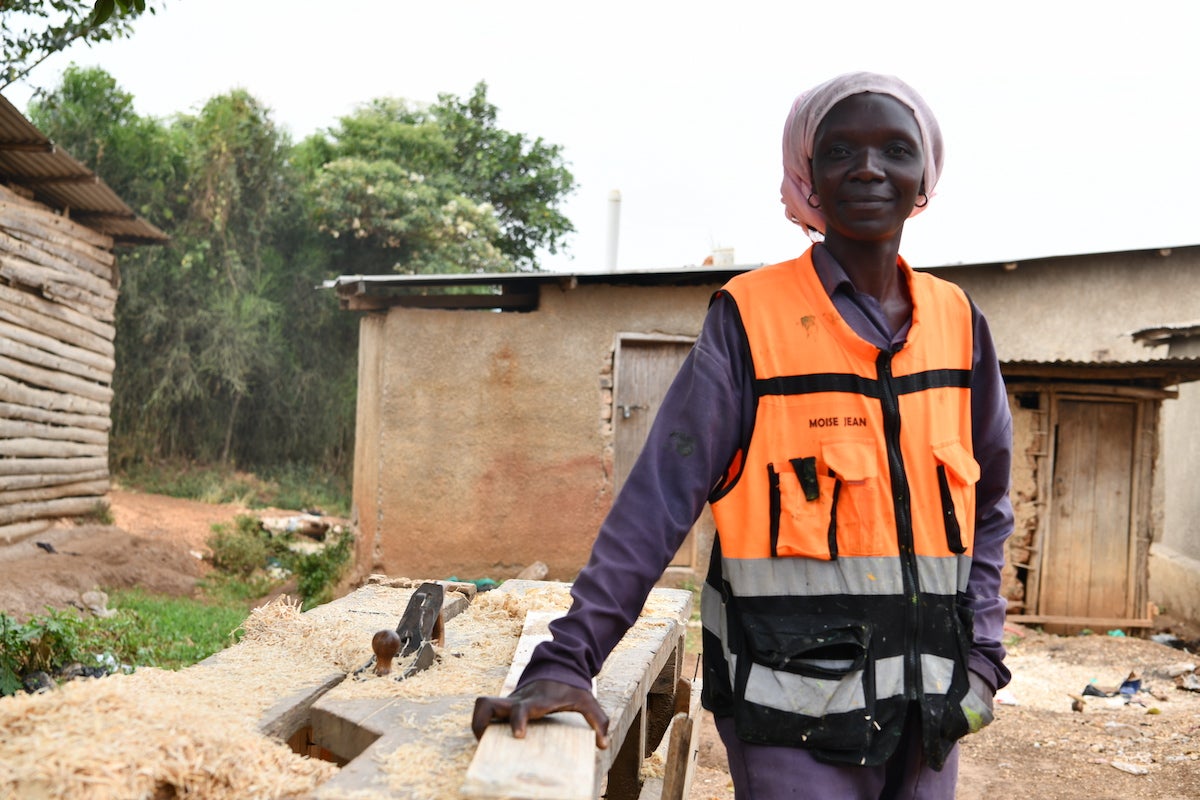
707	413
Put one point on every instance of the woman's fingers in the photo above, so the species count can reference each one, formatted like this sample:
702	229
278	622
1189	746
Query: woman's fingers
534	701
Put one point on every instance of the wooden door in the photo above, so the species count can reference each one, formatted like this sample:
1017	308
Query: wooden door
1087	564
644	368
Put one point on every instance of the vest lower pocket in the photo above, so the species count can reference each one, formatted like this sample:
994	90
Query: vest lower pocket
805	681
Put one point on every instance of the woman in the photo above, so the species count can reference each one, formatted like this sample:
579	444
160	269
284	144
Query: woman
846	419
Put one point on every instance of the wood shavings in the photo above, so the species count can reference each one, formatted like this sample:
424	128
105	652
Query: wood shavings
447	749
653	766
81	740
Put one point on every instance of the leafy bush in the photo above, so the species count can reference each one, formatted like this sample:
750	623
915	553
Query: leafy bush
242	554
319	572
239	550
43	644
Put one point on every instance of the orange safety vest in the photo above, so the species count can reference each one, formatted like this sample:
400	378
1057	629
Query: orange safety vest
845	525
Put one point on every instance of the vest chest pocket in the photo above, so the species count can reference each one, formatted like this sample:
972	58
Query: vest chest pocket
835	504
957	474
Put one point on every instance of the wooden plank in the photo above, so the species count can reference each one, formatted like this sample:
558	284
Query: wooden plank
80	489
47	466
64	419
49	448
48	340
621	688
556	759
1147	428
13	392
679	748
69	335
1095	623
39	480
11	428
643	368
535	631
22	530
47	279
1078	390
68	269
51	221
29	226
93	334
48	509
57	381
100	263
40	351
1108	593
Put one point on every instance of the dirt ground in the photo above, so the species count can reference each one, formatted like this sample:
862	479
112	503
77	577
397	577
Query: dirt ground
1037	747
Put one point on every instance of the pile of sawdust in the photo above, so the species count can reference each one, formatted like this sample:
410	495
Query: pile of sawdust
192	733
152	733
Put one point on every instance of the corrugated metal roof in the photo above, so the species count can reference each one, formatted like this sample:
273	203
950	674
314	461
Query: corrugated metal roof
30	160
1161	372
1165	334
679	275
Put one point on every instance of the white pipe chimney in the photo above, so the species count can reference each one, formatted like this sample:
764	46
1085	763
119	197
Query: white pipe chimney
614	230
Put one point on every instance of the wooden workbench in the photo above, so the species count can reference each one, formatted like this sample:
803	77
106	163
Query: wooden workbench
374	735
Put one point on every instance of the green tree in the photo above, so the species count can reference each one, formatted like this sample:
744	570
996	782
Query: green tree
437	188
523	180
211	309
226	351
94	120
33	30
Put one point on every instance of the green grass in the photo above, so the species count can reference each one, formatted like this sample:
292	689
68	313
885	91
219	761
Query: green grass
171	632
147	631
291	487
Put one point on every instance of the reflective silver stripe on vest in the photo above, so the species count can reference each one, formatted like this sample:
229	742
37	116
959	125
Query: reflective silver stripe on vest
859	575
889	677
943	575
801	694
713	620
816	697
712	611
936	673
809	577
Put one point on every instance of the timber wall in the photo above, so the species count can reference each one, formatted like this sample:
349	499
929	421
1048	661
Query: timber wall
58	295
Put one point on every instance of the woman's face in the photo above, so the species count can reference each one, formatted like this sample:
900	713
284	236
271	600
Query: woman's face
867	167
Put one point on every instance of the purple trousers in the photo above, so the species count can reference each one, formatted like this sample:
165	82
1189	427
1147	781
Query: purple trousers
763	772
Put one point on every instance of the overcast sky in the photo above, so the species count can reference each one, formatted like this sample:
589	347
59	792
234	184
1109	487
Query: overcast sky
1071	127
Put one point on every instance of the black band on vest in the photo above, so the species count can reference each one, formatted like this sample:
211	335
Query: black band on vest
857	384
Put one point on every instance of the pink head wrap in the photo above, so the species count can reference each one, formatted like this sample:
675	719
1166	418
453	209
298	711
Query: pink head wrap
801	129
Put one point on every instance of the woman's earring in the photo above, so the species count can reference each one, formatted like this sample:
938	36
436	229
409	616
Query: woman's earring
922	205
810	202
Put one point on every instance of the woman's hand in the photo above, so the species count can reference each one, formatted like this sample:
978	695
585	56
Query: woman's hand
535	700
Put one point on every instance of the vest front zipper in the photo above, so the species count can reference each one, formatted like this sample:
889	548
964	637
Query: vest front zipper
904	531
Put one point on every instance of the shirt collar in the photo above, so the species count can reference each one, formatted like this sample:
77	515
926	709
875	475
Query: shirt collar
831	273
